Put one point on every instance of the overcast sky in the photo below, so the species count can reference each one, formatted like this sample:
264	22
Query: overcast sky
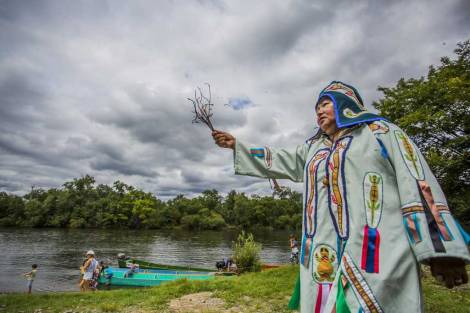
100	87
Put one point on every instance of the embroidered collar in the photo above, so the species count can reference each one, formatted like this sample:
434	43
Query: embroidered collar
341	133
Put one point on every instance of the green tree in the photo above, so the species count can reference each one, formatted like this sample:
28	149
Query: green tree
34	215
212	200
435	111
11	209
228	207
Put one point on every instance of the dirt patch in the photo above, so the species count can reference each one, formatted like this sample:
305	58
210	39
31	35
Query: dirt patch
201	302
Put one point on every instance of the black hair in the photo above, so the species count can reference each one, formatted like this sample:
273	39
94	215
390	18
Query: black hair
34	266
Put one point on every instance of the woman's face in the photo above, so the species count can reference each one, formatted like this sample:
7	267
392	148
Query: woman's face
326	116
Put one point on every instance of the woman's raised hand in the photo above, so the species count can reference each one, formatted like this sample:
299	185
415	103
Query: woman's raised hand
223	139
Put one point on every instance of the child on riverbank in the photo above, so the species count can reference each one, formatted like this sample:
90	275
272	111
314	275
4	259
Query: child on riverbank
30	277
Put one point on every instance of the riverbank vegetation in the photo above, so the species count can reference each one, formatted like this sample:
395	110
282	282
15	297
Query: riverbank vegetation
246	253
263	292
81	203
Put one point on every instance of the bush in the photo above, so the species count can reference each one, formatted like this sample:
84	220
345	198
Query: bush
283	222
191	221
214	221
246	253
7	221
77	222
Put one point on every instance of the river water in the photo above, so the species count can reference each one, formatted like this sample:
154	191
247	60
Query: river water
60	252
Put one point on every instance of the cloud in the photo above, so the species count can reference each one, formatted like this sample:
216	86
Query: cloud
101	87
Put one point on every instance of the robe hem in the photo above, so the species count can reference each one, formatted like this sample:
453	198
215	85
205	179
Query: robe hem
426	257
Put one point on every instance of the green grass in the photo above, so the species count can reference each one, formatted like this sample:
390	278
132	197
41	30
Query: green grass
439	299
259	292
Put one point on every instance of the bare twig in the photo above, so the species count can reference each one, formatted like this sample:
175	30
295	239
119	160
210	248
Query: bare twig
202	106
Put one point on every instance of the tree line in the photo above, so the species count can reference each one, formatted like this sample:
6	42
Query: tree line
83	204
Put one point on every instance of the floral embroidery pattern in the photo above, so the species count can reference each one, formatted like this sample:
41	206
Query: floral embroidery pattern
311	192
310	201
410	155
378	127
350	114
337	200
373	198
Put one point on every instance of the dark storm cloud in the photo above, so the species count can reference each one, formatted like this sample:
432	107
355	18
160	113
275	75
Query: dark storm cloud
113	158
276	29
163	120
10	186
22	102
121	167
100	87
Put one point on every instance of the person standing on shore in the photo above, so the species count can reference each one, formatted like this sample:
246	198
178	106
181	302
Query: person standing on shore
90	266
294	249
372	210
30	276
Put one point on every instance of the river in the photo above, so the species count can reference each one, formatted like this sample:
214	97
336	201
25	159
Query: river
60	252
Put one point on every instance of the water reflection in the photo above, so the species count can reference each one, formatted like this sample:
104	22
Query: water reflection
60	252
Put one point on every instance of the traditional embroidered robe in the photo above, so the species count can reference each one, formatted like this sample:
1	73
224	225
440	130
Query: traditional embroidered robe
372	212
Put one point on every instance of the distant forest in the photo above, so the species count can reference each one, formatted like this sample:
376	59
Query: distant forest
83	204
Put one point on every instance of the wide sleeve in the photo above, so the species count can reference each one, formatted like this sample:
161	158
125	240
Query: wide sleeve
268	162
429	225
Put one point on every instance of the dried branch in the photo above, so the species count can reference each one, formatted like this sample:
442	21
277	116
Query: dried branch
202	106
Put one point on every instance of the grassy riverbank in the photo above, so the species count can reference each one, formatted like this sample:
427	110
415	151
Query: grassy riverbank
261	292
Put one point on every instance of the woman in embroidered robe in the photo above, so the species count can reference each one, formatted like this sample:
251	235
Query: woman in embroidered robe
372	210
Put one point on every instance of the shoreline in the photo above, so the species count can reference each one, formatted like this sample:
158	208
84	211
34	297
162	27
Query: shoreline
263	292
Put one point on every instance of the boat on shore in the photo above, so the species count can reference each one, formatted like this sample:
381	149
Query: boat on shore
266	266
148	277
127	262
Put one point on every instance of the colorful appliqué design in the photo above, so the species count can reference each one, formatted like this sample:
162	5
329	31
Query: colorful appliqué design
350	114
363	293
428	203
412	208
373	202
339	87
322	297
411	221
443	210
257	152
306	250
373	198
337	200
268	157
310	201
325	263
378	127
410	155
